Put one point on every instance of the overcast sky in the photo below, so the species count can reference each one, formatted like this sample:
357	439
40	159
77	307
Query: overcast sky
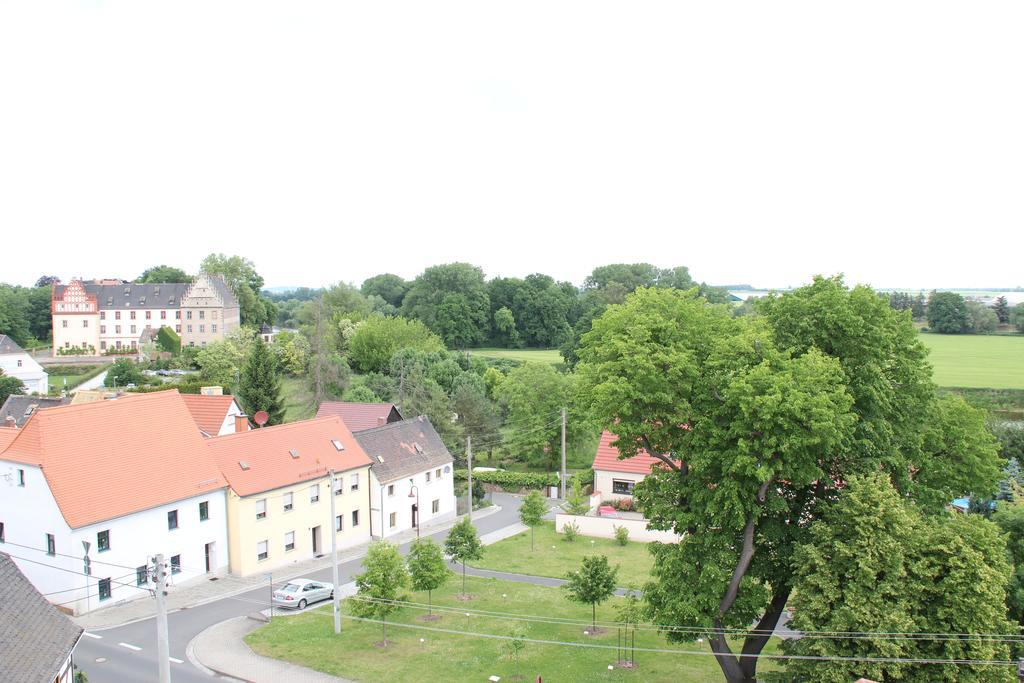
757	142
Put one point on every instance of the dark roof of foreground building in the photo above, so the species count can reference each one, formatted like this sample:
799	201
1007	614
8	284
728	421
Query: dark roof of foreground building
35	638
402	449
21	407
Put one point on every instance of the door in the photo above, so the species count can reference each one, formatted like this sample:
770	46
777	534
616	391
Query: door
316	540
415	516
211	558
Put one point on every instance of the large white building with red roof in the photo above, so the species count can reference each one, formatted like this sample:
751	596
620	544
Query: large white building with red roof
90	493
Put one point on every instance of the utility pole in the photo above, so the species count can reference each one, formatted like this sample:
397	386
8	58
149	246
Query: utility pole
562	479
163	648
334	560
469	472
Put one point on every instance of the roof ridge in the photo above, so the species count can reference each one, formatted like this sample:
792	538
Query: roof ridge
277	428
397	423
147	395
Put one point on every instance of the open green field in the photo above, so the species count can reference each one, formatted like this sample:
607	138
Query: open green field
524	355
308	639
973	360
554	556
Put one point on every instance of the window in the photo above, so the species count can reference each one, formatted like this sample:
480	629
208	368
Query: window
355	518
261	508
213	328
287	502
339	485
428	477
189	328
261	551
202	328
188	315
117	315
133	329
437	473
118	342
163	315
435	507
103	345
177	328
103	315
202	315
148	315
391	489
622	487
204	511
132	315
172	519
314	493
117	329
51	545
2	538
104	589
175	564
177	315
85	323
19	363
64	323
141	575
289	541
21	477
213	314
355	481
339	523
392	520
103	541
103	329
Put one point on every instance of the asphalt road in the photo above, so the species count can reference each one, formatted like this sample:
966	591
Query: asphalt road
127	654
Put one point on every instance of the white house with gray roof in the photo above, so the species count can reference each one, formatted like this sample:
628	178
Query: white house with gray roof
411	476
15	362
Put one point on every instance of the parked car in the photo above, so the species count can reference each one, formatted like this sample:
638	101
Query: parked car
298	593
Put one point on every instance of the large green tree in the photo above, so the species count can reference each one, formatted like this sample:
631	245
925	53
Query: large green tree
241	276
533	395
1017	316
451	299
874	564
160	274
381	585
259	387
427	568
10	385
1002	310
757	421
377	339
390	288
948	313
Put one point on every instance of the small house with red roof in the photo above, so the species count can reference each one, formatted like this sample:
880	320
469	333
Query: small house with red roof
89	493
216	414
360	416
614	476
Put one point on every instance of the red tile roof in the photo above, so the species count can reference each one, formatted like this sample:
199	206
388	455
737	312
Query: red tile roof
359	416
7	436
267	454
607	458
112	458
208	411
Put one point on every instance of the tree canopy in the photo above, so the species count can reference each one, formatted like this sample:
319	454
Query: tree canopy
451	299
390	288
377	339
159	274
381	584
259	387
948	313
592	583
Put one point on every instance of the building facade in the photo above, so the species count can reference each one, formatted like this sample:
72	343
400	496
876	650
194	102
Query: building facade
615	477
412	480
103	315
280	497
16	362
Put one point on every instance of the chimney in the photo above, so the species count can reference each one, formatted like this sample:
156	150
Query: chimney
241	423
10	422
381	421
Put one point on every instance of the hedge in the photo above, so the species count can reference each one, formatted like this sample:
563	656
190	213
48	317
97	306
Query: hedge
168	340
519	480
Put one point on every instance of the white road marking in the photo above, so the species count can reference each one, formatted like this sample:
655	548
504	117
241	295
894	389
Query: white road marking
91	635
176	661
130	647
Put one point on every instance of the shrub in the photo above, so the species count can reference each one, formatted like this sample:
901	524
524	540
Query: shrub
168	340
621	535
576	503
570	532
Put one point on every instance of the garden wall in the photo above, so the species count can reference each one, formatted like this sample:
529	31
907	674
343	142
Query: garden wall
604	527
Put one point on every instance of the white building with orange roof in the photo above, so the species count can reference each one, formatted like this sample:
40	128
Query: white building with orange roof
90	493
279	500
215	413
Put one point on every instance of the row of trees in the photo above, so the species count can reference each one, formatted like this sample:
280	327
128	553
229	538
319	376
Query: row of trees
765	423
951	313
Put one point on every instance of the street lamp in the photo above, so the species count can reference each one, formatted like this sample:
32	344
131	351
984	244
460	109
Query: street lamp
417	497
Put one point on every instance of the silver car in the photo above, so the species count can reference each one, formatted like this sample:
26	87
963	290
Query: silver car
298	593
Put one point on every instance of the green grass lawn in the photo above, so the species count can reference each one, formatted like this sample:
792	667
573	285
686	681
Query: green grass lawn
554	556
308	639
525	355
971	360
298	400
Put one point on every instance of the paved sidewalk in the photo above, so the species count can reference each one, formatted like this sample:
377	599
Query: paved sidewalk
204	590
222	650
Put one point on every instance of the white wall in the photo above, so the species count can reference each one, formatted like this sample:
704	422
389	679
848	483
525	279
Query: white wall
228	425
30	512
604	527
382	505
29	372
603	480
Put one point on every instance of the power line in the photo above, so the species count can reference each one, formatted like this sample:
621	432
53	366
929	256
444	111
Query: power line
71	571
73	557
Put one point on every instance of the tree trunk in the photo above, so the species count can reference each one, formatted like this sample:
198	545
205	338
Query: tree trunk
531	539
430	604
463	577
754	643
384	629
593	616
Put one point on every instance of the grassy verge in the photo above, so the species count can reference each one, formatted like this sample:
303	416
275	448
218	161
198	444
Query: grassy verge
298	400
977	361
554	556
308	639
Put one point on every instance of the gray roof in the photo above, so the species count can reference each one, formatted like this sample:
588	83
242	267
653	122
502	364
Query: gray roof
35	638
8	345
151	295
21	407
404	448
